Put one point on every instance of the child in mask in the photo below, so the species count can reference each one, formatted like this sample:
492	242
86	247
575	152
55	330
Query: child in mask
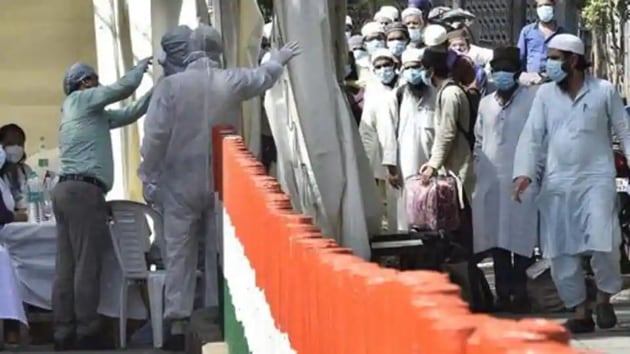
15	171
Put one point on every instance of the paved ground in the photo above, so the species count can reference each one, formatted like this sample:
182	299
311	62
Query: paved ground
615	341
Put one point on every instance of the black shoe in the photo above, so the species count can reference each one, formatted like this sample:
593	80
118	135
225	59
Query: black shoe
175	343
64	344
580	325
605	316
95	342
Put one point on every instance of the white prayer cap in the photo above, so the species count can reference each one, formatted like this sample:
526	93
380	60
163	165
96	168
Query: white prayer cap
411	11
348	21
567	43
371	28
391	12
434	35
267	29
412	55
379	15
382	53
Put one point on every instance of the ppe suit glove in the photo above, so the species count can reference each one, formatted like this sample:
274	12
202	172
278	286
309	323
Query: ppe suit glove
144	63
286	53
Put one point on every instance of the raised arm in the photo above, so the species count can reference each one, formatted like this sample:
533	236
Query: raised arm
131	113
101	96
250	83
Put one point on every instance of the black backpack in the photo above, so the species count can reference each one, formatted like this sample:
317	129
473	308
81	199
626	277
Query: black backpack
472	95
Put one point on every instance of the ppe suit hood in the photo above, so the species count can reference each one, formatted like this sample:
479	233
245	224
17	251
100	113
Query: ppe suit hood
175	48
205	41
74	75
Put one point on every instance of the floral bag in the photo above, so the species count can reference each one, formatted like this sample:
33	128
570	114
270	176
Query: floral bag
434	205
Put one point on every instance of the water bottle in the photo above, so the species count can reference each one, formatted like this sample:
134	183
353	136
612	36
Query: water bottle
47	212
34	196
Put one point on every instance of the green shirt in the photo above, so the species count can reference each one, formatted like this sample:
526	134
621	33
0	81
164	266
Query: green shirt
85	145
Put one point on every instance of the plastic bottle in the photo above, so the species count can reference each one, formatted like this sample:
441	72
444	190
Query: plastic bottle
35	196
47	212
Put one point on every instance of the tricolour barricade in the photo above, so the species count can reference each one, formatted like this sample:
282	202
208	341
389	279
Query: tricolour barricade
289	289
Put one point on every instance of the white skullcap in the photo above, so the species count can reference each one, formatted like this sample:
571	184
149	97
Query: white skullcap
411	11
371	28
382	53
267	29
381	14
348	21
568	43
412	54
434	35
391	12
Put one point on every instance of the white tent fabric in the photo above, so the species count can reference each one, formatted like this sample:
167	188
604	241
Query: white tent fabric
241	23
321	162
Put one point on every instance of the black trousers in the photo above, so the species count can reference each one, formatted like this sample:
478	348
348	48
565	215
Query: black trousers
509	272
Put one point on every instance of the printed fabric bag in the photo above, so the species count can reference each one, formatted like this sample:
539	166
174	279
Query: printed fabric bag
434	205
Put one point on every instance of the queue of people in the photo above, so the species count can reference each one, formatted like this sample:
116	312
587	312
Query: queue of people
526	132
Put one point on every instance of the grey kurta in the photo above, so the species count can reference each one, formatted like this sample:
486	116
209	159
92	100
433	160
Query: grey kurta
450	149
498	220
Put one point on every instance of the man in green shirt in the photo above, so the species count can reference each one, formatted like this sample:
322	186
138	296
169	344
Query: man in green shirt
86	175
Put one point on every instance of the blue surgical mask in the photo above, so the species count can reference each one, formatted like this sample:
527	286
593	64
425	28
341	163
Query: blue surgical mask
397	47
373	45
426	78
359	54
385	74
545	13
415	35
413	76
554	70
503	80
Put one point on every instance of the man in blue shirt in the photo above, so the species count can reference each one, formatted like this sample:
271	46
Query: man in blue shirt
87	174
532	42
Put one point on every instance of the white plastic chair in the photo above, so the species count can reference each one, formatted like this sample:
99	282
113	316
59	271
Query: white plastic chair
131	240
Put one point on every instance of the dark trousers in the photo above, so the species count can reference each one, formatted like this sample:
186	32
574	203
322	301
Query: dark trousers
509	272
82	234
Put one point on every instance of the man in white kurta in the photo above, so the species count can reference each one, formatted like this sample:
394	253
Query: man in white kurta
408	131
384	70
570	125
501	225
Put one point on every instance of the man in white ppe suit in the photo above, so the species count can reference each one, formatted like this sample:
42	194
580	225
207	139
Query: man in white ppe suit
176	153
386	79
408	130
506	228
569	125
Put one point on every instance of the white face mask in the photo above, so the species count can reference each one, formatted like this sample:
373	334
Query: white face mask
14	153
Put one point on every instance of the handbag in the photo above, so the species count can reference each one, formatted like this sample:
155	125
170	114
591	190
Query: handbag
434	205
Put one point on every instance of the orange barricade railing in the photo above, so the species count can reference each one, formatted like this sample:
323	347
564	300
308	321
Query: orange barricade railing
331	302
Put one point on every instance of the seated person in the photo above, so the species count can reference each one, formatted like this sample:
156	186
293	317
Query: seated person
15	171
7	215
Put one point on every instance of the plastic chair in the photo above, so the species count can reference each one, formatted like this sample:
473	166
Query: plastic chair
131	240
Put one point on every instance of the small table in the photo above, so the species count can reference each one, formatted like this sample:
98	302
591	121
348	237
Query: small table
32	248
